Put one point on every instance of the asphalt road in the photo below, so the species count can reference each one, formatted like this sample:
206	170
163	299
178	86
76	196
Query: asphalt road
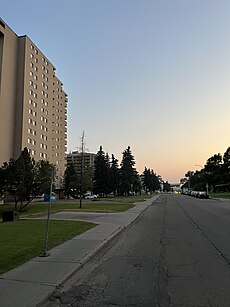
176	254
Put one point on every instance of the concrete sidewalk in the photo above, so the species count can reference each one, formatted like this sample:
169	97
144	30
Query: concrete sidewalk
31	283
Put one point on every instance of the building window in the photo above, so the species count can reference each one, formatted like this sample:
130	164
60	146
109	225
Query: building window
32	47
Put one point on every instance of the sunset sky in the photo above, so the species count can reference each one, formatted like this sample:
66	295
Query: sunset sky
152	75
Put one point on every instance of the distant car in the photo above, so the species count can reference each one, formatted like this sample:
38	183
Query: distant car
93	196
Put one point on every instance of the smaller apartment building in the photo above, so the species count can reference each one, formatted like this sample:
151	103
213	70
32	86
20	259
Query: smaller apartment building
33	103
75	157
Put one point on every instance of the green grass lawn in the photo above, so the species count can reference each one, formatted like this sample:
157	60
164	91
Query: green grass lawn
128	199
23	240
36	208
220	195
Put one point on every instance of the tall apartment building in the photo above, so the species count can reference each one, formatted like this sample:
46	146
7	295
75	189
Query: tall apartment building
33	105
76	157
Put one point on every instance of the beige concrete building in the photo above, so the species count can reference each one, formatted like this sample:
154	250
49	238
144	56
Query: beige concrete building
33	105
76	158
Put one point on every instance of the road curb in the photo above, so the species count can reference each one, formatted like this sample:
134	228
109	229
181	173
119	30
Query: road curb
83	261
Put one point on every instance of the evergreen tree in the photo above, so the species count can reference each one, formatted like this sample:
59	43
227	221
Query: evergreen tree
151	182
108	188
114	175
127	172
146	180
100	173
136	187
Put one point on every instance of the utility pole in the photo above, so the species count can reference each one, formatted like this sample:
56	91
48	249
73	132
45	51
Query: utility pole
82	166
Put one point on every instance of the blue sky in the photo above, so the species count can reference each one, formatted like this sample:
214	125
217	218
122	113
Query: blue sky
153	75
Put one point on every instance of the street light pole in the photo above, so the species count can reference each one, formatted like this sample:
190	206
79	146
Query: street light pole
82	165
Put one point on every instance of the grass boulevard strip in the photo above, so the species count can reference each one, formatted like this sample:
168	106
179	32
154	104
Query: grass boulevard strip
23	240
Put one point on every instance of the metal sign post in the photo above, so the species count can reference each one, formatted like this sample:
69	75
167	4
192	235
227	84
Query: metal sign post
45	253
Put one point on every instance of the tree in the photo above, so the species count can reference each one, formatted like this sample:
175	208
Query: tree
167	187
213	169
114	175
71	180
127	172
108	188
136	187
20	175
87	179
151	182
100	173
2	181
226	166
25	179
